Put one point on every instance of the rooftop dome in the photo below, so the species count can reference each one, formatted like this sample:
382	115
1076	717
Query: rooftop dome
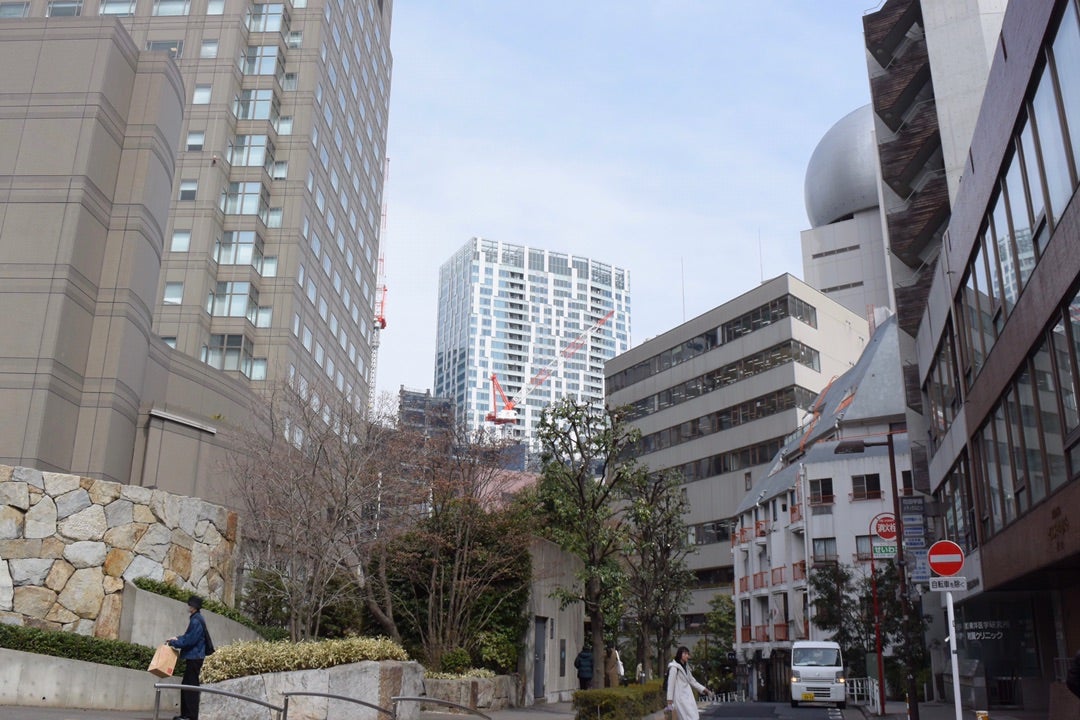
841	178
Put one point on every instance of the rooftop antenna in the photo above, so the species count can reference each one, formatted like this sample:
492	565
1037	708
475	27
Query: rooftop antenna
761	261
682	283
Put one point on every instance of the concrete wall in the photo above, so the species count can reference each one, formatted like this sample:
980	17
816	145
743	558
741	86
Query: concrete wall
560	630
150	619
31	680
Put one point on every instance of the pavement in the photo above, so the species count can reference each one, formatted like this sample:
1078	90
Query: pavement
542	711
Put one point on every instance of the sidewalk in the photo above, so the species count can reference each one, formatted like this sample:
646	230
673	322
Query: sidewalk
944	711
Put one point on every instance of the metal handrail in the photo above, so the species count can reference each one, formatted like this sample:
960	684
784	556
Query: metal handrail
158	687
373	706
445	703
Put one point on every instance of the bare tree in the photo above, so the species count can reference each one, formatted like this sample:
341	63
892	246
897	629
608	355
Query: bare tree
320	484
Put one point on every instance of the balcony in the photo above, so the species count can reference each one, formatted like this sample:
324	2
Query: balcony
744	634
825	559
796	513
744	584
885	29
761	633
744	535
864	495
905	155
919	221
896	89
760	580
798	571
780	632
761	531
778	576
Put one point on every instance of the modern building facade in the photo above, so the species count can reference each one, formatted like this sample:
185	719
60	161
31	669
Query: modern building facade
717	397
816	507
257	203
998	350
543	322
844	254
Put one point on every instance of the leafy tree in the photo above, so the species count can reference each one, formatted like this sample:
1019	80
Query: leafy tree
460	578
658	586
719	638
586	468
839	608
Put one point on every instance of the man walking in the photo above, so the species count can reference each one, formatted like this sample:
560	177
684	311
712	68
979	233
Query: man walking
192	647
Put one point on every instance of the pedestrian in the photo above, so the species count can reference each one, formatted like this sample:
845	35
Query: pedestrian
1072	679
640	673
613	667
681	703
584	664
192	647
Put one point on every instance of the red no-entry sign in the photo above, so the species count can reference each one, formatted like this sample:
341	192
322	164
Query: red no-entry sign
945	557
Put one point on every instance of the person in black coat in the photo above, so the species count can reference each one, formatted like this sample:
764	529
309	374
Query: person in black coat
584	664
192	647
1073	678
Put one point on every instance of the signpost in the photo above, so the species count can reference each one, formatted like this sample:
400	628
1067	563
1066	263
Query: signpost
883	525
947	558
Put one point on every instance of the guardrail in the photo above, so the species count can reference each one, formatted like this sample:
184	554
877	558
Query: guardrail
444	703
344	698
864	691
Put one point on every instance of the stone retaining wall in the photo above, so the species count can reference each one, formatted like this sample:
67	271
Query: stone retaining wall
68	544
485	694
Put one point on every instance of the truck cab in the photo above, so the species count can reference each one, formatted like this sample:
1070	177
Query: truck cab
817	673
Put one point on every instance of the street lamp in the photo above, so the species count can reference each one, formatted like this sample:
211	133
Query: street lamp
858	446
877	622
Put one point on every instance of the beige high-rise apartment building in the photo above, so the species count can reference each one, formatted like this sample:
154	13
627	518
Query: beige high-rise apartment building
190	212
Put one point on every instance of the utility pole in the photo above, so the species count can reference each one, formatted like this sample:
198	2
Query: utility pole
901	566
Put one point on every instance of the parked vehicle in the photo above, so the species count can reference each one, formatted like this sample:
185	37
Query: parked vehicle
817	673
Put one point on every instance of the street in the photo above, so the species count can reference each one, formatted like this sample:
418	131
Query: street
780	711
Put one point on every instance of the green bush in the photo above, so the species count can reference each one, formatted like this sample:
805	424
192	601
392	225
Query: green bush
630	702
59	643
177	593
253	658
456	660
468	674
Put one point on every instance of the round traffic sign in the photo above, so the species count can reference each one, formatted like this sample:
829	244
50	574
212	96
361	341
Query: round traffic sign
945	557
884	525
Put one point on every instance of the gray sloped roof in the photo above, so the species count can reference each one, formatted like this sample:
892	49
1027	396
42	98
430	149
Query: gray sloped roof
871	390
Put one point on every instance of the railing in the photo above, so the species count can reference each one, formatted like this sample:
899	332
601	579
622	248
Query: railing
744	535
866	495
158	687
744	584
796	513
761	633
822	499
864	691
761	528
760	580
780	632
798	570
778	576
744	634
826	559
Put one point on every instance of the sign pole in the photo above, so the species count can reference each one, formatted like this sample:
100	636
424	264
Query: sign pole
953	652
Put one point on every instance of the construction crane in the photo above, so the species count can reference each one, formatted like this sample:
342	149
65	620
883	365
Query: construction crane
508	414
380	300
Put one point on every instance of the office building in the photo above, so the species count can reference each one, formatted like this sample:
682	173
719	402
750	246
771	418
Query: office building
543	322
998	360
257	205
717	397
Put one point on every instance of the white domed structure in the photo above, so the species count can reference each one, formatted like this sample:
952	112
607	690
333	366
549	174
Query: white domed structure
841	178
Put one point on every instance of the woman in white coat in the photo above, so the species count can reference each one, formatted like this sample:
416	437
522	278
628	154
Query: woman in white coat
680	687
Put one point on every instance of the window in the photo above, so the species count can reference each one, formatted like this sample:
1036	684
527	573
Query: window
233	299
215	7
117	7
295	39
244	198
251	151
228	352
208	49
239	247
825	550
188	189
201	95
290	82
64	8
171	7
285	125
280	170
267	17
181	241
14	9
821	491
264	316
175	48
170	341
259	60
866	487
174	293
195	140
864	547
256	105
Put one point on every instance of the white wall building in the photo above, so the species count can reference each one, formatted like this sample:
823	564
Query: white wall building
816	507
529	316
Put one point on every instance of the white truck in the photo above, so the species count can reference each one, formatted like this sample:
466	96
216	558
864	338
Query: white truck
817	673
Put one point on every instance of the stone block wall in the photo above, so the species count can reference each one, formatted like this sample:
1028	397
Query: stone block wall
69	543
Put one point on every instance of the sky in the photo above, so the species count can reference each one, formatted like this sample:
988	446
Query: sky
667	137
